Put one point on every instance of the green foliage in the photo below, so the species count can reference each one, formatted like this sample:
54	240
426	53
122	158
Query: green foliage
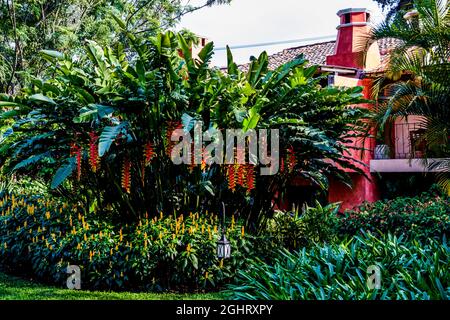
294	230
421	217
106	107
30	26
42	237
410	270
25	186
63	173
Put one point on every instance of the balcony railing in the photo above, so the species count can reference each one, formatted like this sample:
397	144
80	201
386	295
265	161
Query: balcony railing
407	142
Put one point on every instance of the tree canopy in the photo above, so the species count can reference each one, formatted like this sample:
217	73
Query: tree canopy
393	6
29	26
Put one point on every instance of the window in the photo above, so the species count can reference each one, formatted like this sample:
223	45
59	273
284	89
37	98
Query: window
331	80
347	18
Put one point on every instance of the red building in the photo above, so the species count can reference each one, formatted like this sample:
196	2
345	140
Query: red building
351	62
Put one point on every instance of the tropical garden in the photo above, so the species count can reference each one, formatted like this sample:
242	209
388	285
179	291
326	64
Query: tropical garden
87	177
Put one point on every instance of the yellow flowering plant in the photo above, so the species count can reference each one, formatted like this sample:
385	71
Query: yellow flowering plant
171	252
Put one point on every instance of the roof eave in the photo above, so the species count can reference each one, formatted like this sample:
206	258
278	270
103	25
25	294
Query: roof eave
338	69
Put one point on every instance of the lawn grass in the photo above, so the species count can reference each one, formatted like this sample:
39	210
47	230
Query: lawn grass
13	288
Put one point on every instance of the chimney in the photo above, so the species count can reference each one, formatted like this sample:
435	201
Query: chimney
353	33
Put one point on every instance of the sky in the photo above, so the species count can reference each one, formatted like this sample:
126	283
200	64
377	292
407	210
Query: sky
249	22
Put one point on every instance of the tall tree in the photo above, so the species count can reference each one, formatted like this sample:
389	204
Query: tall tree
63	25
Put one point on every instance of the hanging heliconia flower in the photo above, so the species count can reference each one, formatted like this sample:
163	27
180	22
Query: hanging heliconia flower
149	153
93	151
241	172
291	159
231	175
250	171
126	175
282	166
171	127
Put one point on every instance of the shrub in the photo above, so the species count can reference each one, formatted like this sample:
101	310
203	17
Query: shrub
43	237
409	270
424	216
292	230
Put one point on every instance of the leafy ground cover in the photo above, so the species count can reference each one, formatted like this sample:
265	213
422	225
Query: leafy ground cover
407	270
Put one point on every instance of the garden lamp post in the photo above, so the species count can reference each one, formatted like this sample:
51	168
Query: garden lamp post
223	245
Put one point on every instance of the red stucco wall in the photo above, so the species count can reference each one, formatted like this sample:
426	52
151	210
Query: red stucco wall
364	188
349	53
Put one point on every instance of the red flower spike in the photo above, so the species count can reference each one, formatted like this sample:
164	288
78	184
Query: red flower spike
93	151
231	178
149	153
126	175
241	171
250	178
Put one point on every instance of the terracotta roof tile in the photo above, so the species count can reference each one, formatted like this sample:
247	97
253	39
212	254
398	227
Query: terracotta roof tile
317	53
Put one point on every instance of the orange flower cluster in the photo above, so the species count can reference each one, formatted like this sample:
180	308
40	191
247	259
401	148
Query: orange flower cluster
206	157
231	175
250	170
149	153
242	175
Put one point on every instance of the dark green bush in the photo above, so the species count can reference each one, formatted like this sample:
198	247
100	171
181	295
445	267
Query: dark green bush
409	270
42	237
425	216
293	230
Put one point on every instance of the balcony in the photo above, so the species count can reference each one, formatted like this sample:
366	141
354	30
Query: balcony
404	152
